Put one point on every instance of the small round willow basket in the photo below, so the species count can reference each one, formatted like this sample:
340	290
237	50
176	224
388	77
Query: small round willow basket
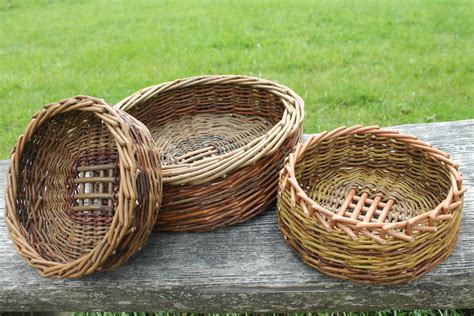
222	141
84	188
370	205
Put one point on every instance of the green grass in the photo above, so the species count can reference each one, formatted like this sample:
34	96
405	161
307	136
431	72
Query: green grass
370	62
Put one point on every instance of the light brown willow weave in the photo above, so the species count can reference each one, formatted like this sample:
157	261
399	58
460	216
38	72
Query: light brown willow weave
84	188
222	141
370	205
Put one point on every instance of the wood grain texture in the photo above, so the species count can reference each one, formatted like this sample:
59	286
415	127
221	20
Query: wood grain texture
247	267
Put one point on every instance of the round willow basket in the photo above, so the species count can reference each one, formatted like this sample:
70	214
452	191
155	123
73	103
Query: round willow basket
370	205
84	188
222	141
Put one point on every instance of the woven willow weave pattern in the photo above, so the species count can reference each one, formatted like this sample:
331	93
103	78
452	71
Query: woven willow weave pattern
370	205
222	141
84	188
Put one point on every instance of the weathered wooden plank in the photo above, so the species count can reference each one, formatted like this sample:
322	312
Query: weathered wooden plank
247	267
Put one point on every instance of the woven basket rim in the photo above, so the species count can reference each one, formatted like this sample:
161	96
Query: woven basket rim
119	131
355	227
215	167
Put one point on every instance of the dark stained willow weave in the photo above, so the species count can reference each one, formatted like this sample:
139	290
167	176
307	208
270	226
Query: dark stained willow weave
370	205
84	188
222	141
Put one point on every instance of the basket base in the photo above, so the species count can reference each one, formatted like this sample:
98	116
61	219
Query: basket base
195	137
348	187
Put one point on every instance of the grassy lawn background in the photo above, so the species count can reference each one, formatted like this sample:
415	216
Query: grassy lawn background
369	62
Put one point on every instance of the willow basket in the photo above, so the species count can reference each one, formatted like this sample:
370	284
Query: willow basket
370	205
84	188
222	140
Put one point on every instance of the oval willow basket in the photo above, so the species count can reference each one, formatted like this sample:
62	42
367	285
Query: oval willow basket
370	205
84	188
222	141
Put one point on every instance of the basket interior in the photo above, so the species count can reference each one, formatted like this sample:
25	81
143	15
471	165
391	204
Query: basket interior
192	123
383	172
66	193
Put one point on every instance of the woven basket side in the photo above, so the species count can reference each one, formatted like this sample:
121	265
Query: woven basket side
71	189
231	200
146	182
372	155
336	254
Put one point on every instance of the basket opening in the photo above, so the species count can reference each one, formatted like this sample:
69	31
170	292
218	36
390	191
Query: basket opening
380	171
193	123
66	194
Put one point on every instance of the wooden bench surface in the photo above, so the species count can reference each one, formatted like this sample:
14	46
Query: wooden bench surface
247	267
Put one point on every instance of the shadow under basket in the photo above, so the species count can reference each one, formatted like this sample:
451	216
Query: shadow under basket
370	205
222	141
84	188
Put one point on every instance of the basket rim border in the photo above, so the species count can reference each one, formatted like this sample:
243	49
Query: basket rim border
354	227
211	168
